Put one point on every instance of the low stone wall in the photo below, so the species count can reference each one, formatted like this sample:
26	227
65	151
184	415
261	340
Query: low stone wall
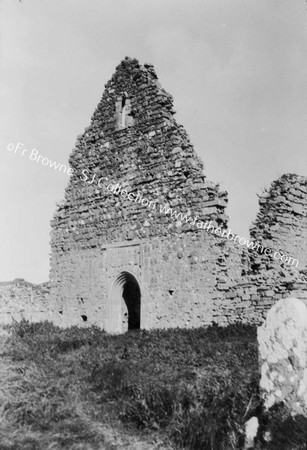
22	300
283	355
250	303
243	302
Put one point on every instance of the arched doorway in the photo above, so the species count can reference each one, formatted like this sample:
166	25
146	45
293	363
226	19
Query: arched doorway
124	304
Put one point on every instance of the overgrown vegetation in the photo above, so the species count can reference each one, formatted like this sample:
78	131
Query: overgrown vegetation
279	430
191	389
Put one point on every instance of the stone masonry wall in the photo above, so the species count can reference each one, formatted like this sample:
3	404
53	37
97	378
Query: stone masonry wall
188	275
149	155
181	280
248	302
154	157
281	225
22	300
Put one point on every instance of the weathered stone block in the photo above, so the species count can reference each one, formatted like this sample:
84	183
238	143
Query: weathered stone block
283	355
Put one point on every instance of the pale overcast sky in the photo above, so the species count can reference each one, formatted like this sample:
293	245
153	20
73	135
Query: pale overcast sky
237	70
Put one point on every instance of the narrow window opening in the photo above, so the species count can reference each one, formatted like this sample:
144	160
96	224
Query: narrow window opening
124	114
124	111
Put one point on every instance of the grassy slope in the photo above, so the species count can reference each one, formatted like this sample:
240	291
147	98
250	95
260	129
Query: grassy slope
83	389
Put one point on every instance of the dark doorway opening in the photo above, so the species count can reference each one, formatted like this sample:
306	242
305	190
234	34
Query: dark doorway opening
124	305
132	298
130	292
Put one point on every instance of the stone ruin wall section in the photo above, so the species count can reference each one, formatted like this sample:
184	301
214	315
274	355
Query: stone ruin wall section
182	281
281	225
150	155
20	299
188	276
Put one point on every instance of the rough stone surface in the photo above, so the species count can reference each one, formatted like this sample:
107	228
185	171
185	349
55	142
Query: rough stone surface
22	300
97	235
251	428
281	225
283	355
105	247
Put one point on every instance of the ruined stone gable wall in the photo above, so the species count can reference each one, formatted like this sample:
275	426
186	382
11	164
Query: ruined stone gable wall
149	155
188	276
154	157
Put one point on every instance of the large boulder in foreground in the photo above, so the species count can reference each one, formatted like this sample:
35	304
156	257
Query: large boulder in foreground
282	343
